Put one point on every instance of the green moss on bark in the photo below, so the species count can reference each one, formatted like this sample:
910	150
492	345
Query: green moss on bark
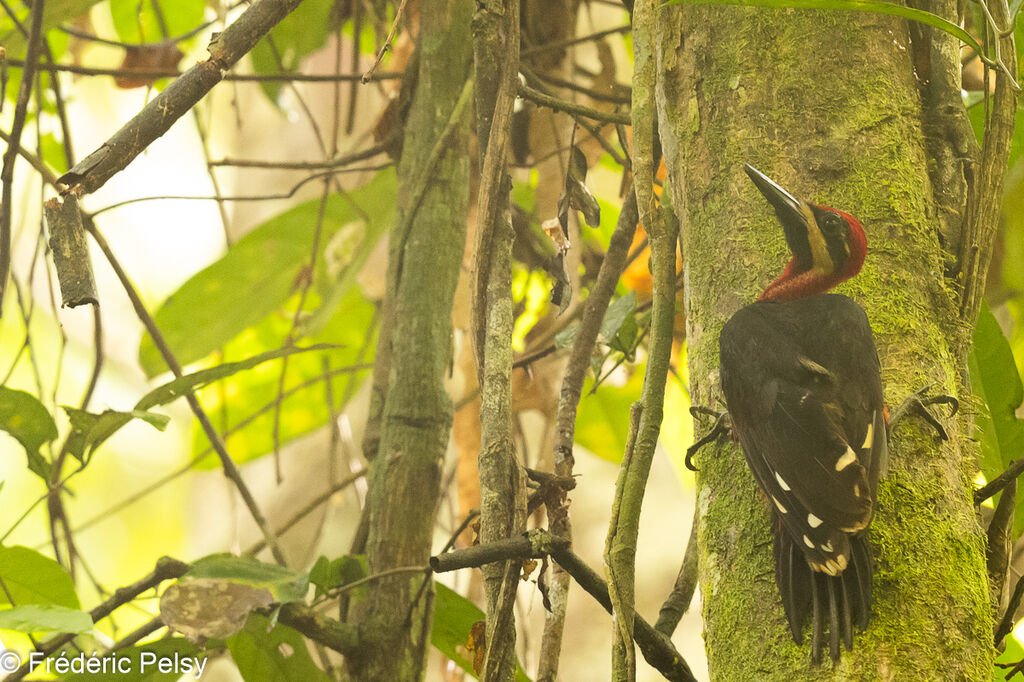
829	107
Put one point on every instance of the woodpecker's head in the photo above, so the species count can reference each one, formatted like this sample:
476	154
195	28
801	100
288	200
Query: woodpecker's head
828	245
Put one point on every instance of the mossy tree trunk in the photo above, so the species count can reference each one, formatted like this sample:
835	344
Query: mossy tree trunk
425	252
826	103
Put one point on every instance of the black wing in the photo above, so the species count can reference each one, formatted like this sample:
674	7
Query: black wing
801	382
802	386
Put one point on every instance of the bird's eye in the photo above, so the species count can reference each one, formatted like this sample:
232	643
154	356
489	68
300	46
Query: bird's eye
832	224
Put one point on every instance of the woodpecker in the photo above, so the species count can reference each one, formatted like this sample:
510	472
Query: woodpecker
800	375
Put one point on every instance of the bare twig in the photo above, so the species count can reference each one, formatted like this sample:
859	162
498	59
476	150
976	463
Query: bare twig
386	47
154	74
620	547
571	108
1005	626
502	483
309	508
11	153
335	162
166	569
531	545
227	464
983	205
547	47
160	114
986	491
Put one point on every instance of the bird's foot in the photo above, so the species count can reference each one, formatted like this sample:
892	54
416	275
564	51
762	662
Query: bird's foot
721	427
917	404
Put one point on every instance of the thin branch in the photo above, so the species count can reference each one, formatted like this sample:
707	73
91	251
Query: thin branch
496	43
166	569
386	47
335	162
11	153
991	488
531	545
548	47
620	547
227	464
258	197
159	115
571	108
1005	626
155	74
309	508
657	649
983	204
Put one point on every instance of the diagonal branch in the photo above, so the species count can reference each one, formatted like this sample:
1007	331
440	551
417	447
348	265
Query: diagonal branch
159	115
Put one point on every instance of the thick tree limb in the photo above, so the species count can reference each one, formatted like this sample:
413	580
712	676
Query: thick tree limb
502	481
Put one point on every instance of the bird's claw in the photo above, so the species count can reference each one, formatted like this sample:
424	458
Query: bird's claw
917	404
721	427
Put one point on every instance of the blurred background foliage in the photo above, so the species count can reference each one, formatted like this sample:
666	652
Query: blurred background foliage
260	259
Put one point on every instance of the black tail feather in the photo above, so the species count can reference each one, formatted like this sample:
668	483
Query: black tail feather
847	622
843	600
833	615
817	622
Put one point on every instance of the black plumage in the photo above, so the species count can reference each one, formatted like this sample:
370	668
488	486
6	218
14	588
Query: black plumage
801	381
802	385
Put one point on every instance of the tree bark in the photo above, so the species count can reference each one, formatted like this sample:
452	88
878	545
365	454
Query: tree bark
829	107
425	252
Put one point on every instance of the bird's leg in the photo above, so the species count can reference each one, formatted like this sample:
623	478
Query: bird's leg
721	427
917	404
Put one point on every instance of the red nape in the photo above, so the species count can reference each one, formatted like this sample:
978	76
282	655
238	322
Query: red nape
794	283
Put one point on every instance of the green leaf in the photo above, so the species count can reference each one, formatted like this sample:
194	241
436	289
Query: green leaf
45	618
89	430
875	6
378	202
29	422
618	312
259	272
142	663
264	651
602	421
328	574
31	578
136	22
301	33
454	616
237	399
190	382
55	12
997	384
284	585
